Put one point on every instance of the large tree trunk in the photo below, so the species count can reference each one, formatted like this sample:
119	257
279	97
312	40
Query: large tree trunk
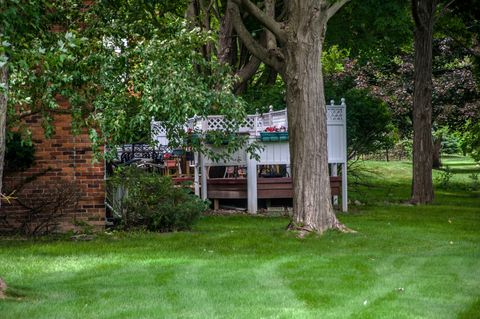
312	203
422	187
3	120
298	60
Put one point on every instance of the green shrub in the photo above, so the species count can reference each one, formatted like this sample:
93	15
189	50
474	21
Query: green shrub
475	185
151	201
470	139
20	154
450	140
444	178
369	122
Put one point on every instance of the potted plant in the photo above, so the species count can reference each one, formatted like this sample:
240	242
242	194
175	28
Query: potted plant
274	134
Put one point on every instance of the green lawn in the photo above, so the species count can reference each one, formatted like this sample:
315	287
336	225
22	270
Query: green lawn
404	262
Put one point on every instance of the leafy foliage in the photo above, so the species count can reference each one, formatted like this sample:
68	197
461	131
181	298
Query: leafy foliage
470	139
152	202
117	64
443	179
373	30
260	96
369	123
19	154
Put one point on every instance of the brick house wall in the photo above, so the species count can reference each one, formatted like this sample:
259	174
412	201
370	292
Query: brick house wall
62	161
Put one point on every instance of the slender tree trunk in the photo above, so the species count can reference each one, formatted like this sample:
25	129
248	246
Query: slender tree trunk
312	203
422	186
436	156
226	40
3	120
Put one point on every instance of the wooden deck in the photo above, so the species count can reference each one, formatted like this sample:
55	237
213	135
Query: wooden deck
236	188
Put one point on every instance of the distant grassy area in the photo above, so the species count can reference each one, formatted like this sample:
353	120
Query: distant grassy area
404	262
381	182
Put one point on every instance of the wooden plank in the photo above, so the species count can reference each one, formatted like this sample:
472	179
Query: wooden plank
236	188
213	194
227	181
275	186
277	193
283	180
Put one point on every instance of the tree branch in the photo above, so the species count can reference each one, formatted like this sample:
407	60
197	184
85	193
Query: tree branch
150	9
253	46
28	113
266	20
416	16
334	7
444	10
245	73
269	36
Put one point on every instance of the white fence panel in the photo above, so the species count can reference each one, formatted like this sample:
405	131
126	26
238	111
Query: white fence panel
335	144
237	158
275	153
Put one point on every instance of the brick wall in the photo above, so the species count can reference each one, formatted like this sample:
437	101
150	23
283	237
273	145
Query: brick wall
62	161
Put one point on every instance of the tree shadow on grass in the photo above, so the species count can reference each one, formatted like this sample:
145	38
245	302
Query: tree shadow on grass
473	312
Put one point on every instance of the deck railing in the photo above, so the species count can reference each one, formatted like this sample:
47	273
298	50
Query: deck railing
253	124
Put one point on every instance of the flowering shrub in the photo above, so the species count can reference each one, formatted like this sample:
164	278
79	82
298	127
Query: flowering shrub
272	129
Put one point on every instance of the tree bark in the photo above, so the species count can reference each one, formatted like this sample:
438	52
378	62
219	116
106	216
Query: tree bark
436	156
3	121
422	186
298	61
226	43
312	204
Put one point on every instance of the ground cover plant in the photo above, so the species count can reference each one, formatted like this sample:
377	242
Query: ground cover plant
404	262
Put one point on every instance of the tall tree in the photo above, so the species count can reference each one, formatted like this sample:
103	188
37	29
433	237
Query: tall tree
296	56
3	113
423	12
3	102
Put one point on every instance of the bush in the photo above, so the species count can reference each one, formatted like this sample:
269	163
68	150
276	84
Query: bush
19	154
369	122
444	178
450	140
151	201
470	139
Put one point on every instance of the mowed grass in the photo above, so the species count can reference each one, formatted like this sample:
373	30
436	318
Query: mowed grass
403	262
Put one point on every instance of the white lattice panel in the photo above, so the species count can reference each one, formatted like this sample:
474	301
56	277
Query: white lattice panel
159	133
249	122
215	123
335	113
158	129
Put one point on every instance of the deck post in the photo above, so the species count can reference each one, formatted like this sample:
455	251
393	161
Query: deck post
204	177
252	184
196	176
345	159
334	172
344	188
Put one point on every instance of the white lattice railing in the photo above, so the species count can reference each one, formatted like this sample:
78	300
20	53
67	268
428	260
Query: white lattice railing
253	124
